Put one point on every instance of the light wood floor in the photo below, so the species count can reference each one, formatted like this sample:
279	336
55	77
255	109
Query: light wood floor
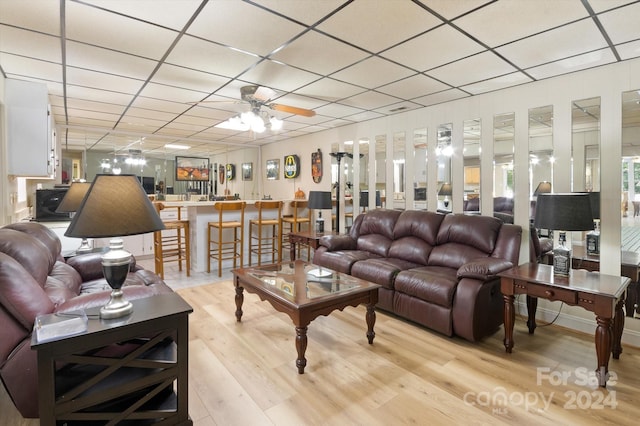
245	374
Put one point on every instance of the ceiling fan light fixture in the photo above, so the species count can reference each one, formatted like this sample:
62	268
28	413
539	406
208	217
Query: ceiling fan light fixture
276	123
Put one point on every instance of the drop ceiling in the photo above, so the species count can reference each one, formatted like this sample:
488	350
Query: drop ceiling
141	74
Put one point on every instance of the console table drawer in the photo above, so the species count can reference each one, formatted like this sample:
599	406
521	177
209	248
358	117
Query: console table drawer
549	293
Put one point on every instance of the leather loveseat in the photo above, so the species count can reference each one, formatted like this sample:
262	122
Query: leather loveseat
35	279
437	270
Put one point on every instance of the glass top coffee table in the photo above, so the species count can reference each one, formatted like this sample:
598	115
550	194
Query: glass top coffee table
305	291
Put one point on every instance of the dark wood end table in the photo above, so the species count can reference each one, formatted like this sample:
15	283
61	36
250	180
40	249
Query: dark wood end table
308	238
304	292
154	320
598	293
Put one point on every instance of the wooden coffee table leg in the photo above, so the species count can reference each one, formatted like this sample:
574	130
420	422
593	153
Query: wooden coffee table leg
371	322
603	349
532	307
618	326
239	301
509	319
301	347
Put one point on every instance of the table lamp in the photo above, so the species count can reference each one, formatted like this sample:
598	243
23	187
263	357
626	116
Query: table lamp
445	190
70	204
563	212
320	200
543	187
115	206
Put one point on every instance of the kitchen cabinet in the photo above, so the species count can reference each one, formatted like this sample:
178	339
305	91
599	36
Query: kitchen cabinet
31	145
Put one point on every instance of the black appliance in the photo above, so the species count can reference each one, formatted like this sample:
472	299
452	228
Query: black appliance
148	184
47	201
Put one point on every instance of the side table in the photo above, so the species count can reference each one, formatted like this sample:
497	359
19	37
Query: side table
308	238
598	293
156	322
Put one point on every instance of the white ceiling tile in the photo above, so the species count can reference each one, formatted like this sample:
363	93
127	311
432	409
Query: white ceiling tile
175	94
413	87
168	13
485	65
497	83
576	63
622	24
364	116
308	12
241	25
319	53
563	42
602	5
159	105
278	76
438	98
29	43
37	15
329	90
89	105
428	50
108	61
508	20
398	107
134	112
98	80
337	110
94	26
18	66
629	50
373	72
370	99
202	55
172	75
379	24
453	8
215	113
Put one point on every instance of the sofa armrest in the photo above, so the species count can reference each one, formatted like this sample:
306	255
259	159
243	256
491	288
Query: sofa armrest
338	242
89	266
484	268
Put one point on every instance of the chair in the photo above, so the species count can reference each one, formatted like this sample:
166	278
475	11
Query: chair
227	220
269	214
295	222
173	243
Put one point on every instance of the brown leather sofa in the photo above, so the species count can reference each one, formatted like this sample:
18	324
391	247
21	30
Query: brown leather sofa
35	279
437	270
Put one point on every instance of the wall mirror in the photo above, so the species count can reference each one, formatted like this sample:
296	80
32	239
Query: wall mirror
585	153
503	173
420	168
471	163
444	151
399	196
364	172
541	160
381	170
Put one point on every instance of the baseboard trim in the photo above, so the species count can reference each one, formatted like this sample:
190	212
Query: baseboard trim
583	325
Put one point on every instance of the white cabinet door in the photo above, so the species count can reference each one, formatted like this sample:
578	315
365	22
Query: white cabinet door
29	137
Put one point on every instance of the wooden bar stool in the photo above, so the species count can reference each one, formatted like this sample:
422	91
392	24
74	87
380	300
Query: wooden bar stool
227	219
173	243
269	214
294	223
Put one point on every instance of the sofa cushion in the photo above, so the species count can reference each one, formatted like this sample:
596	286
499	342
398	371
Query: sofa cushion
415	235
380	270
31	253
340	261
376	231
432	284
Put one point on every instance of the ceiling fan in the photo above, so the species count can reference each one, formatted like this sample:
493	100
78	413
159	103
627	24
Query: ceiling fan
259	96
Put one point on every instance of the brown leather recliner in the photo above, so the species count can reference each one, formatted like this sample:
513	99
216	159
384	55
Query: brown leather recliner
34	280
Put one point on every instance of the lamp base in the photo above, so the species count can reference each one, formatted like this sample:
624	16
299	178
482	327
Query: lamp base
561	261
85	247
117	306
319	225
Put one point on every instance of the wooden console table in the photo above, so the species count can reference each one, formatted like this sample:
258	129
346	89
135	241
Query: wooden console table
156	321
598	293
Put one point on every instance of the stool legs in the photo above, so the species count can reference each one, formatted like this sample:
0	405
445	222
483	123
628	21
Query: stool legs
172	248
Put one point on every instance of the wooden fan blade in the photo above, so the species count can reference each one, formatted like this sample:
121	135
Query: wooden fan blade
293	110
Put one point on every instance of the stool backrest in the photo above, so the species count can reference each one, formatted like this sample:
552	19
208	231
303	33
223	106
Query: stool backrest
298	208
269	206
